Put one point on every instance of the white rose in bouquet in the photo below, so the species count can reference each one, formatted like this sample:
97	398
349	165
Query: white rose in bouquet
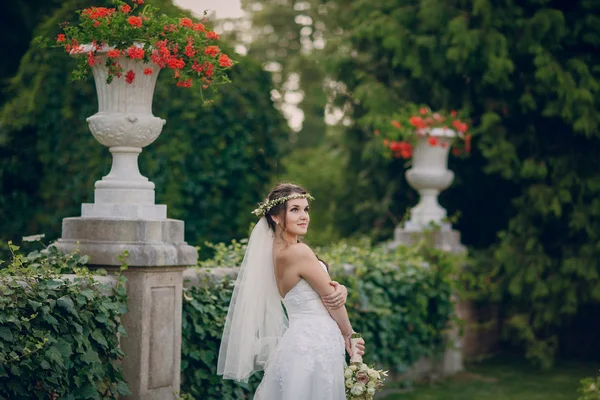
349	383
373	374
348	373
357	390
371	391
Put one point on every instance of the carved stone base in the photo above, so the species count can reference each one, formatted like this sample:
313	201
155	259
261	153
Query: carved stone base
153	341
448	240
157	257
149	242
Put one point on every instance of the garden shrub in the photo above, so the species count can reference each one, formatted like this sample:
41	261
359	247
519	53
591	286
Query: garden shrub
400	300
59	338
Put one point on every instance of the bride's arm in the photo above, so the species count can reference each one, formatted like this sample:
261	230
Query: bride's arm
302	259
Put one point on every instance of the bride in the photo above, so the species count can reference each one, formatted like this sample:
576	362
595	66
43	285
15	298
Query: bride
303	358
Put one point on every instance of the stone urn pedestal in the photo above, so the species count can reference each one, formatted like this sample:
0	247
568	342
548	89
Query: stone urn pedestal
124	217
429	175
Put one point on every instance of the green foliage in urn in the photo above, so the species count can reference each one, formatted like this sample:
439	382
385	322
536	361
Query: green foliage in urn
210	164
399	300
59	338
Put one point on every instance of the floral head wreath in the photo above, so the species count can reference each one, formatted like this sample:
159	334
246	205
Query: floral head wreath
263	208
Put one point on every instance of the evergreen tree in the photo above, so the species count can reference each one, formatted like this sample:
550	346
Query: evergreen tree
529	74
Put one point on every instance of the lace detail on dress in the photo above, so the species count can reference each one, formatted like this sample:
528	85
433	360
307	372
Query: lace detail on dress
301	293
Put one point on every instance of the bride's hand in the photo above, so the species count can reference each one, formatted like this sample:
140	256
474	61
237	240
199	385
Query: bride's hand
336	299
360	346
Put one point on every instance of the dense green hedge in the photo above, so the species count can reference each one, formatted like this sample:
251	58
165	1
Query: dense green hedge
58	337
399	300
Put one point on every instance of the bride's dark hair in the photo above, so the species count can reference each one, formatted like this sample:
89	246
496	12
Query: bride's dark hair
280	210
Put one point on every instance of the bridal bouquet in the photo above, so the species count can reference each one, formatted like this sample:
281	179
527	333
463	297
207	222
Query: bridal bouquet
362	381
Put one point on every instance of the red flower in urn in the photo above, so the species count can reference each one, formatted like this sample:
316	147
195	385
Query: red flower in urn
136	31
398	136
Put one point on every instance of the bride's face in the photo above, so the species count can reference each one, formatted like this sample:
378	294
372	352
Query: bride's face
297	218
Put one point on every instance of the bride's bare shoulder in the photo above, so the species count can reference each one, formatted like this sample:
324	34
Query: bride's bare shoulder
294	253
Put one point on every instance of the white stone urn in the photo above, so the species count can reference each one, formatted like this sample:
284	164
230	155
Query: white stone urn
125	124
429	175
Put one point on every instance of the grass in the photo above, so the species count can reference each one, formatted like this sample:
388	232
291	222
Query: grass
505	380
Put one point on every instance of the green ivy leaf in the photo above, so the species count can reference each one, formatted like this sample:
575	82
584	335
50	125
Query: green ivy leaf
6	334
53	354
66	303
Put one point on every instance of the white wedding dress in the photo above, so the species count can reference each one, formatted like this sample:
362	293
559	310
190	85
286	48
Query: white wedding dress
308	363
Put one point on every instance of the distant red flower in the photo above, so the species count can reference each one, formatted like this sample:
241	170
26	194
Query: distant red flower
198	27
186	22
212	51
208	69
433	141
126	8
468	143
135	53
114	53
453	113
175	63
91	59
169	28
60	38
396	124
423	110
189	49
130	76
417	122
225	61
405	150
134	21
97	12
395	146
185	83
460	126
212	35
139	2
438	117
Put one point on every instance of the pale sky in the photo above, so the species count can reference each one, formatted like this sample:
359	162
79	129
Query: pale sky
222	8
